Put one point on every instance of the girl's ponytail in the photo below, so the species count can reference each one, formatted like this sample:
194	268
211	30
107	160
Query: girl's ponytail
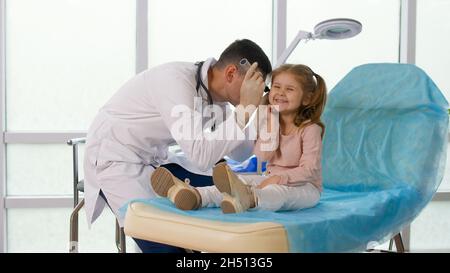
319	100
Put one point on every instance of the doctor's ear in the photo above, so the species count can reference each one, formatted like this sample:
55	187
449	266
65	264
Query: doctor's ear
230	72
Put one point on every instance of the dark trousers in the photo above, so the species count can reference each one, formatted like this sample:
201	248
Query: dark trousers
196	181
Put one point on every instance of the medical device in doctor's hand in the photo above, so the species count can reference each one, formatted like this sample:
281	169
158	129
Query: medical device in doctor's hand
245	65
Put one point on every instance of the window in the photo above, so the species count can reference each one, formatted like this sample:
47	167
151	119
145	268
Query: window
195	30
333	59
47	230
29	173
64	59
433	42
432	53
429	231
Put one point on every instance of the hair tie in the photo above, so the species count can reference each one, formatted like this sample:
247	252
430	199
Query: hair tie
316	77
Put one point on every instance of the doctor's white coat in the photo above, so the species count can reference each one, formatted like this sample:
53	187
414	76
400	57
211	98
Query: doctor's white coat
132	132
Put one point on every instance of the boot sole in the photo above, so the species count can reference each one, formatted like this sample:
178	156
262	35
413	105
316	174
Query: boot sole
162	180
227	207
185	199
221	179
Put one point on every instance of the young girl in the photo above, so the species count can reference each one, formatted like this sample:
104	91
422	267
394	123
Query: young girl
293	178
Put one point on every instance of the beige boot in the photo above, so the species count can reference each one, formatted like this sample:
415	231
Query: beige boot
238	196
184	196
231	204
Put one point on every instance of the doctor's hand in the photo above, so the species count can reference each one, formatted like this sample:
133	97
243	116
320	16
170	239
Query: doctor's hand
251	92
252	87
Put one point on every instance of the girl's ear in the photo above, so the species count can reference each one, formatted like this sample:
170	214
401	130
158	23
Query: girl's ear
307	98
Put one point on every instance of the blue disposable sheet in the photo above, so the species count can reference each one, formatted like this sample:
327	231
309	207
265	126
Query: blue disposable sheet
383	160
248	166
342	222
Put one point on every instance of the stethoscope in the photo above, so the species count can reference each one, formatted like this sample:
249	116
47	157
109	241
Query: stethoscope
200	83
210	101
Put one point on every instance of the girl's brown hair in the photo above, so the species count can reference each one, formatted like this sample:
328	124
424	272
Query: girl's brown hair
310	82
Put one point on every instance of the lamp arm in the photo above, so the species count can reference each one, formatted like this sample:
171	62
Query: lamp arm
287	52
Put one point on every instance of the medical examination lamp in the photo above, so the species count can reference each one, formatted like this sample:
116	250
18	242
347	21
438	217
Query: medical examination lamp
333	29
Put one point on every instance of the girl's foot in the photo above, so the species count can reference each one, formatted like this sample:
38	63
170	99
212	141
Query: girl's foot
238	196
165	184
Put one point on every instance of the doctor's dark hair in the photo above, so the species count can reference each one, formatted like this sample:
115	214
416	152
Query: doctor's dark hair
245	49
313	85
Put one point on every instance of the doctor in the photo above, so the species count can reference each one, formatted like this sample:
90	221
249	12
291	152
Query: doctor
131	134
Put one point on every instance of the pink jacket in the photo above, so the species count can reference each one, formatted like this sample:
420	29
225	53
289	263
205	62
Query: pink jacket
296	158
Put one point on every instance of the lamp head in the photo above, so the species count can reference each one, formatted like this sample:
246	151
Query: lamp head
333	29
336	29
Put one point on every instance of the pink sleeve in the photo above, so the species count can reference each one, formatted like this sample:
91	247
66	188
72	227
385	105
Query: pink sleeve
265	150
310	166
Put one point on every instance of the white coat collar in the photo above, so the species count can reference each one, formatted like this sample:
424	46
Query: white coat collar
204	73
204	76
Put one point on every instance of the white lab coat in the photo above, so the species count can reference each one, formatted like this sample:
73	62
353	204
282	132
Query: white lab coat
131	134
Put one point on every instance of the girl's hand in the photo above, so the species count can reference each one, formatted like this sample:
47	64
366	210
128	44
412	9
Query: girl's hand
272	116
264	116
265	100
274	179
268	128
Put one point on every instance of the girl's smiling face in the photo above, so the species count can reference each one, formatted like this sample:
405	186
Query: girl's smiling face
286	93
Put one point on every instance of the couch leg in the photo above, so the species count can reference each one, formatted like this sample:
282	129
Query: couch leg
399	243
73	248
120	239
